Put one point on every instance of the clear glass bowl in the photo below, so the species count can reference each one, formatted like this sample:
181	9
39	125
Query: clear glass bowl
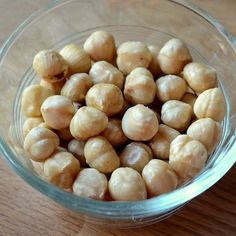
63	22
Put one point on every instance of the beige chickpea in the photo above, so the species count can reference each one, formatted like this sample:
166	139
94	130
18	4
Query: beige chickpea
32	99
176	114
61	169
50	65
160	144
187	156
76	147
99	154
114	133
100	46
135	155
173	56
206	131
211	104
131	55
57	111
55	87
105	97
154	66
126	184
30	123
88	122
90	183
140	123
40	143
189	98
200	77
159	177
77	59
104	72
65	134
170	87
140	87
76	87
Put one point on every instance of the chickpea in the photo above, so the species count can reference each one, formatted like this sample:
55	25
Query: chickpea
57	111
211	104
114	133
32	99
76	87
140	123
100	46
50	65
140	87
76	147
173	56
105	97
160	144
65	134
206	131
131	55
99	154
77	59
187	156
126	184
189	98
154	66
30	123
38	168
90	183
159	177
104	72
88	122
136	155
200	77
55	87
40	143
61	169
170	87
176	114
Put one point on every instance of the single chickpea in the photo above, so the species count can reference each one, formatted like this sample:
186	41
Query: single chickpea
105	97
140	87
30	123
176	114
99	154
88	122
131	55
140	123
76	87
173	56
50	65
160	144
154	66
211	104
170	87
61	169
189	98
57	111
126	184
206	131
65	134
100	46
76	147
32	99
187	156
90	183
55	87
40	143
136	155
114	133
104	72
77	59
159	177
200	77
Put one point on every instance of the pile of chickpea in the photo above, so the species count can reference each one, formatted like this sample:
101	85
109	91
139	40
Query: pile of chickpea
124	124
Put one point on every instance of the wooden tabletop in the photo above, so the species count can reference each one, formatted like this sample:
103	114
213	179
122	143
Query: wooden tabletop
26	212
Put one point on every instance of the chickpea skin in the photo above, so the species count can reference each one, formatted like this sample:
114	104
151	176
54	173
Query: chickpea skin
173	56
131	55
159	177
105	97
154	66
140	123
76	147
55	87
57	111
88	122
99	154
140	87
126	184
30	123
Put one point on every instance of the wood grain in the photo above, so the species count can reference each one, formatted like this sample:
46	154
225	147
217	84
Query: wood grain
26	212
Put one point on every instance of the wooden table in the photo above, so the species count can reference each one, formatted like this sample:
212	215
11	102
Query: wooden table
26	212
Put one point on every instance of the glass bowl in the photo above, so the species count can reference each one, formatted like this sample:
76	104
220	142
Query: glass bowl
63	22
